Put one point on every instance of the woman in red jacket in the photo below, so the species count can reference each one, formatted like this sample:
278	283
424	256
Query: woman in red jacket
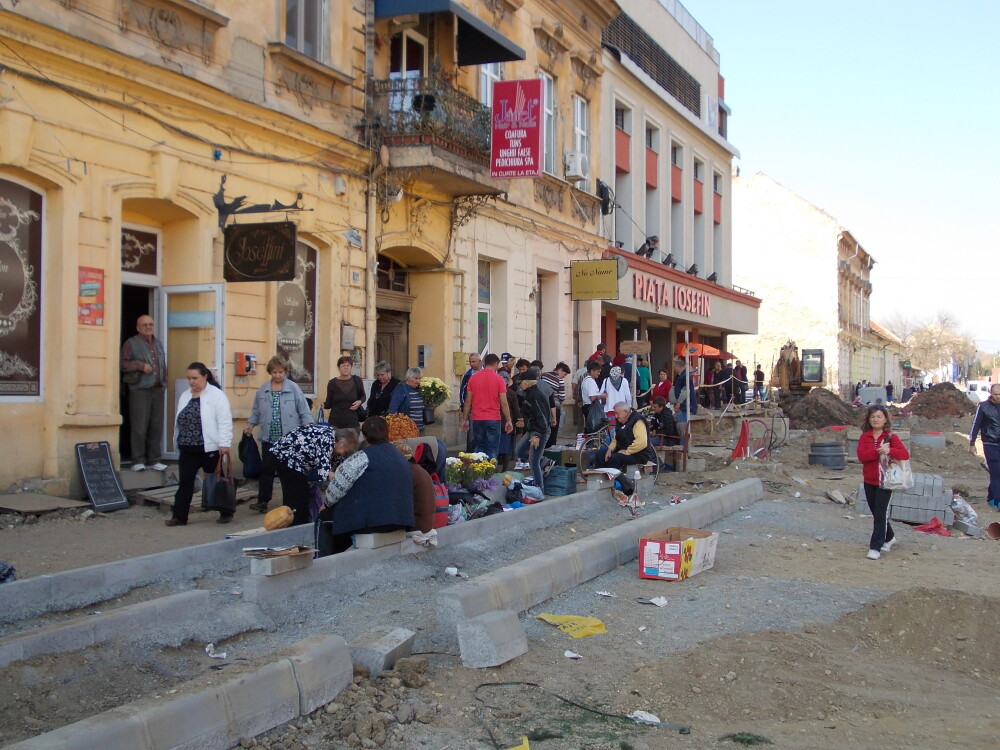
876	446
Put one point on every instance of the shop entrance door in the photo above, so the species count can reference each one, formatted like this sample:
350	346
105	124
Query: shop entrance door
191	328
390	340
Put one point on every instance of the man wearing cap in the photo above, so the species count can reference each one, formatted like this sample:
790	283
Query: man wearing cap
485	403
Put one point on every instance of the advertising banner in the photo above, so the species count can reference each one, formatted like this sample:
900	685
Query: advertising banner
260	252
517	134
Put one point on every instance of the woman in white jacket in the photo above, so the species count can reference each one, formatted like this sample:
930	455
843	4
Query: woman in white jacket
203	432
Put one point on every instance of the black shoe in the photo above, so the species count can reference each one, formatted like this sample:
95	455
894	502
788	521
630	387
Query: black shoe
224	519
175	522
260	507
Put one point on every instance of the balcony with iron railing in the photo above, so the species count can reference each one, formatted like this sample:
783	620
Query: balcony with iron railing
431	126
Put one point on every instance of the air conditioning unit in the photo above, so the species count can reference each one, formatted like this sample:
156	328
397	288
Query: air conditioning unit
577	166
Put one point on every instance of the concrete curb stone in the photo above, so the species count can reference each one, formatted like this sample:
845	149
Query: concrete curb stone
81	587
532	581
380	649
491	639
63	637
316	670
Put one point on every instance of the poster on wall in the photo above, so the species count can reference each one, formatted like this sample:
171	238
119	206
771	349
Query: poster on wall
20	290
516	129
296	321
90	301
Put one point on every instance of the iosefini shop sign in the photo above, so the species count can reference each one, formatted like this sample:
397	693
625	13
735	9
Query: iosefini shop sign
593	279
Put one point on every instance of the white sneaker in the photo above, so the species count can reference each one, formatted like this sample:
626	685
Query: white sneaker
874	554
888	545
159	467
138	467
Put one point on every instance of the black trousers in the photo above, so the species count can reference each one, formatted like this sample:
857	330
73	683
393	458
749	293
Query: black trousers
268	469
295	493
328	543
878	500
190	460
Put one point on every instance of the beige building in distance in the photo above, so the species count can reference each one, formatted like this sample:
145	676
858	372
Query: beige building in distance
814	278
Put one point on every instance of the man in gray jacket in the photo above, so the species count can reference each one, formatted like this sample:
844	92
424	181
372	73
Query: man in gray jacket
145	366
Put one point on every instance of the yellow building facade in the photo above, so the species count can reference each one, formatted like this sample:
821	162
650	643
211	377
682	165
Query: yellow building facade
131	129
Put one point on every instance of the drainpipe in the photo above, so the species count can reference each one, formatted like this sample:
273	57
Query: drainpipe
371	253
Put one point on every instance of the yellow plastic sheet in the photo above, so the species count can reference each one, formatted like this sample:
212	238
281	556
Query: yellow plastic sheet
575	625
523	746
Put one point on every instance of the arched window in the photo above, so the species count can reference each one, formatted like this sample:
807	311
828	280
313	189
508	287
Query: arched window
391	275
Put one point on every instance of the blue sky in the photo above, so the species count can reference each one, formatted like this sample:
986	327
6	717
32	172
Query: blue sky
885	114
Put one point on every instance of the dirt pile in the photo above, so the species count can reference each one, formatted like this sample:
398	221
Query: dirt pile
941	400
868	661
821	408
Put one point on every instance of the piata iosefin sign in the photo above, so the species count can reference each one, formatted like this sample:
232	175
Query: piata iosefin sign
516	132
593	279
260	252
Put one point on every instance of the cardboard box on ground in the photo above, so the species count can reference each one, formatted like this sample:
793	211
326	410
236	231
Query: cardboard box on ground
677	553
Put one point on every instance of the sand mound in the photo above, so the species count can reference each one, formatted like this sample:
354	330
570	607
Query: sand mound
868	660
941	400
821	408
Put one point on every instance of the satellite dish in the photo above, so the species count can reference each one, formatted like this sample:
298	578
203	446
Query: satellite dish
622	266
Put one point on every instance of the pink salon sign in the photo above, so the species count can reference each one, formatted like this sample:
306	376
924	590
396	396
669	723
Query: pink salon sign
517	133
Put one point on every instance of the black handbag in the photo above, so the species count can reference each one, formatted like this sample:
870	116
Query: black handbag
250	456
224	494
362	411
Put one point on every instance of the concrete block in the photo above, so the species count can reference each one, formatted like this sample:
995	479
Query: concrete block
491	639
192	721
323	669
260	700
928	440
275	566
380	649
695	464
116	728
374	541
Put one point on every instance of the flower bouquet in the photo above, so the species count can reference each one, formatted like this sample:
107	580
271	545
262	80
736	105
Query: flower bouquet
433	391
473	471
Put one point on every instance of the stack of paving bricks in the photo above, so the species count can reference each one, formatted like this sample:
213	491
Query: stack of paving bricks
926	500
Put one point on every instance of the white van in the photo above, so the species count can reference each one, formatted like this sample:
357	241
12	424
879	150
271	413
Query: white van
978	390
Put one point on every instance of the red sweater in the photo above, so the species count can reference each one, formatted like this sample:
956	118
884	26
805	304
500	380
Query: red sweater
869	457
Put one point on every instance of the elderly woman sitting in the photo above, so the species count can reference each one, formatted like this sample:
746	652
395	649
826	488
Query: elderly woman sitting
371	492
630	444
406	398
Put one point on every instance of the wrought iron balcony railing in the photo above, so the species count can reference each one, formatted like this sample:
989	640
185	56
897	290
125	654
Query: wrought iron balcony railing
415	111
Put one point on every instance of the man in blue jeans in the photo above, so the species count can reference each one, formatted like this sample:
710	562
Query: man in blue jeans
485	403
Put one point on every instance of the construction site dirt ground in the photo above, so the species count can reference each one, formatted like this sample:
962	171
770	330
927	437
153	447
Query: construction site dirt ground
793	635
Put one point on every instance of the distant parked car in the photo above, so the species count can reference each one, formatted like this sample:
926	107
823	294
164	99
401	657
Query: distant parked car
978	390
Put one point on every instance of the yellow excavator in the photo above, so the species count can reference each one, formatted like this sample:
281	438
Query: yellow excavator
794	375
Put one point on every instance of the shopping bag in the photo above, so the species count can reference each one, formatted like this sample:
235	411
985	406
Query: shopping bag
250	456
897	476
595	417
320	419
224	494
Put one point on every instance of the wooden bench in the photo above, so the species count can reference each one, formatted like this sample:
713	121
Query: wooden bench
679	452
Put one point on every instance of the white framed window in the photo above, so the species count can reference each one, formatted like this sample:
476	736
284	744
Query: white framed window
621	118
652	138
717	183
549	96
677	155
699	171
581	131
488	74
484	311
303	26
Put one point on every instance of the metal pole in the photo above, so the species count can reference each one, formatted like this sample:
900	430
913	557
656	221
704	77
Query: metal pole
687	372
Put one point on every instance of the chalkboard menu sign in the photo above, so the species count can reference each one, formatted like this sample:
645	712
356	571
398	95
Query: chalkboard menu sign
99	476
